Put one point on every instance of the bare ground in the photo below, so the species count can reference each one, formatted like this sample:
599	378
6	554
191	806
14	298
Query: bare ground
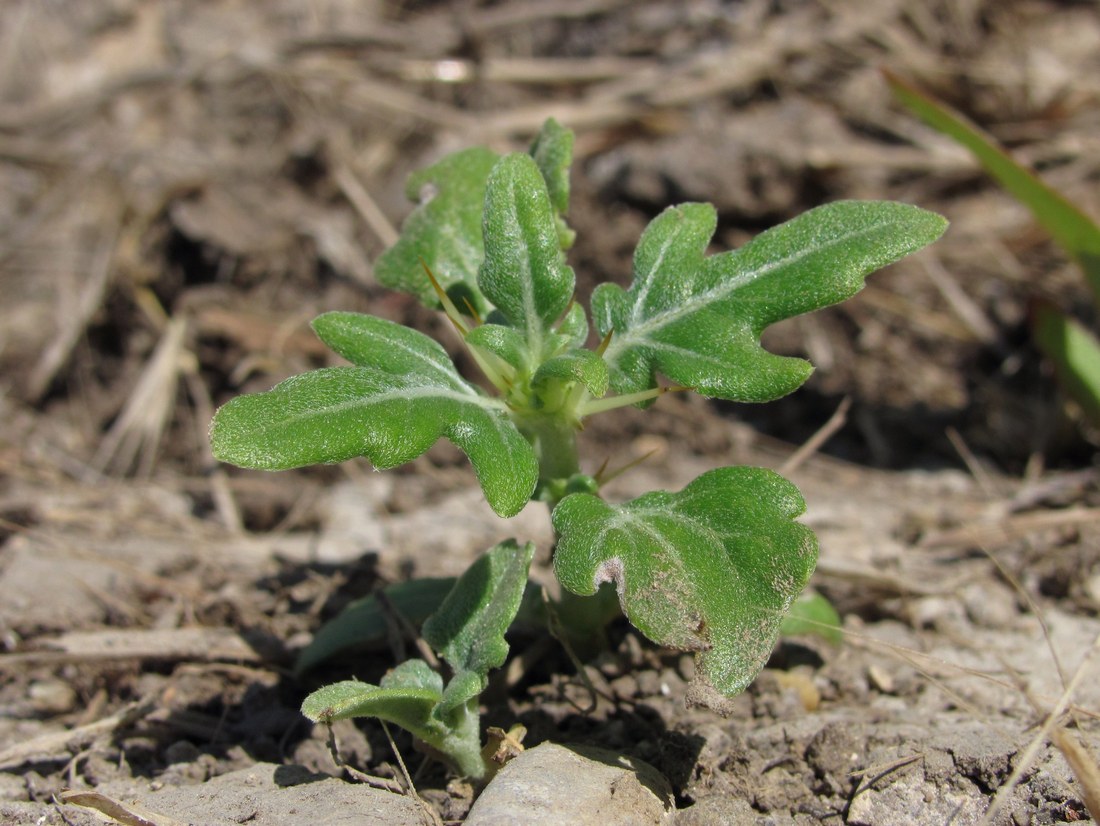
185	185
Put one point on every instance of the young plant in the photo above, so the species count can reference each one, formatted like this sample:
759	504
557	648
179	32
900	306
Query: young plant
468	632
710	569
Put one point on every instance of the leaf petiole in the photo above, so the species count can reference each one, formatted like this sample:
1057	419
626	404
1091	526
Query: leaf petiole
448	306
592	406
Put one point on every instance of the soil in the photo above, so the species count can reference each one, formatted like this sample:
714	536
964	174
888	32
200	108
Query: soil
183	186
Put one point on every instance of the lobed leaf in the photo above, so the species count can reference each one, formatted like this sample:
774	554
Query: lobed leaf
443	232
710	569
404	396
698	320
468	629
524	272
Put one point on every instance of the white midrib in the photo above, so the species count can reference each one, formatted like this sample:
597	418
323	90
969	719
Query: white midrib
650	276
530	312
404	394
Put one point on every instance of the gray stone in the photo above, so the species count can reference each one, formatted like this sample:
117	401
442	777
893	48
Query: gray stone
913	800
580	785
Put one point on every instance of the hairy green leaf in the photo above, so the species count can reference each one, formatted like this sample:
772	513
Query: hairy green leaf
698	320
444	231
468	629
409	697
505	342
573	328
412	675
524	272
370	341
404	396
710	569
582	366
407	706
552	150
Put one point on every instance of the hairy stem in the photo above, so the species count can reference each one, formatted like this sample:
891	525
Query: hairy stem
462	742
555	443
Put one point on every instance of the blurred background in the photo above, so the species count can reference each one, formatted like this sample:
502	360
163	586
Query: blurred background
183	185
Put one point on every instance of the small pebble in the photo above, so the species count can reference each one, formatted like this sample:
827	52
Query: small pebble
881	679
52	696
625	687
1092	588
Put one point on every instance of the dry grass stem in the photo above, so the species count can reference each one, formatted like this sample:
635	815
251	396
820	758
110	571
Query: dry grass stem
73	320
820	437
61	743
136	433
1026	758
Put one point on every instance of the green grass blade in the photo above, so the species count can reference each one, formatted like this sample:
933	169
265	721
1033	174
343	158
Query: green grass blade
1075	231
1075	353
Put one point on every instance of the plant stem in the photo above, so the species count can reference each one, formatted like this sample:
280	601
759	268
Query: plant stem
462	743
555	441
582	619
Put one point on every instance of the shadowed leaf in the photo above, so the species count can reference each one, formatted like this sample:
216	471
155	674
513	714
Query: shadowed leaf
710	569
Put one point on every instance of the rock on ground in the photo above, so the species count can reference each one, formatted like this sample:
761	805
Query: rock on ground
581	785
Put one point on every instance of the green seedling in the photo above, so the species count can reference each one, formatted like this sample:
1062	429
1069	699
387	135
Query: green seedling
712	568
812	615
468	632
1069	345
